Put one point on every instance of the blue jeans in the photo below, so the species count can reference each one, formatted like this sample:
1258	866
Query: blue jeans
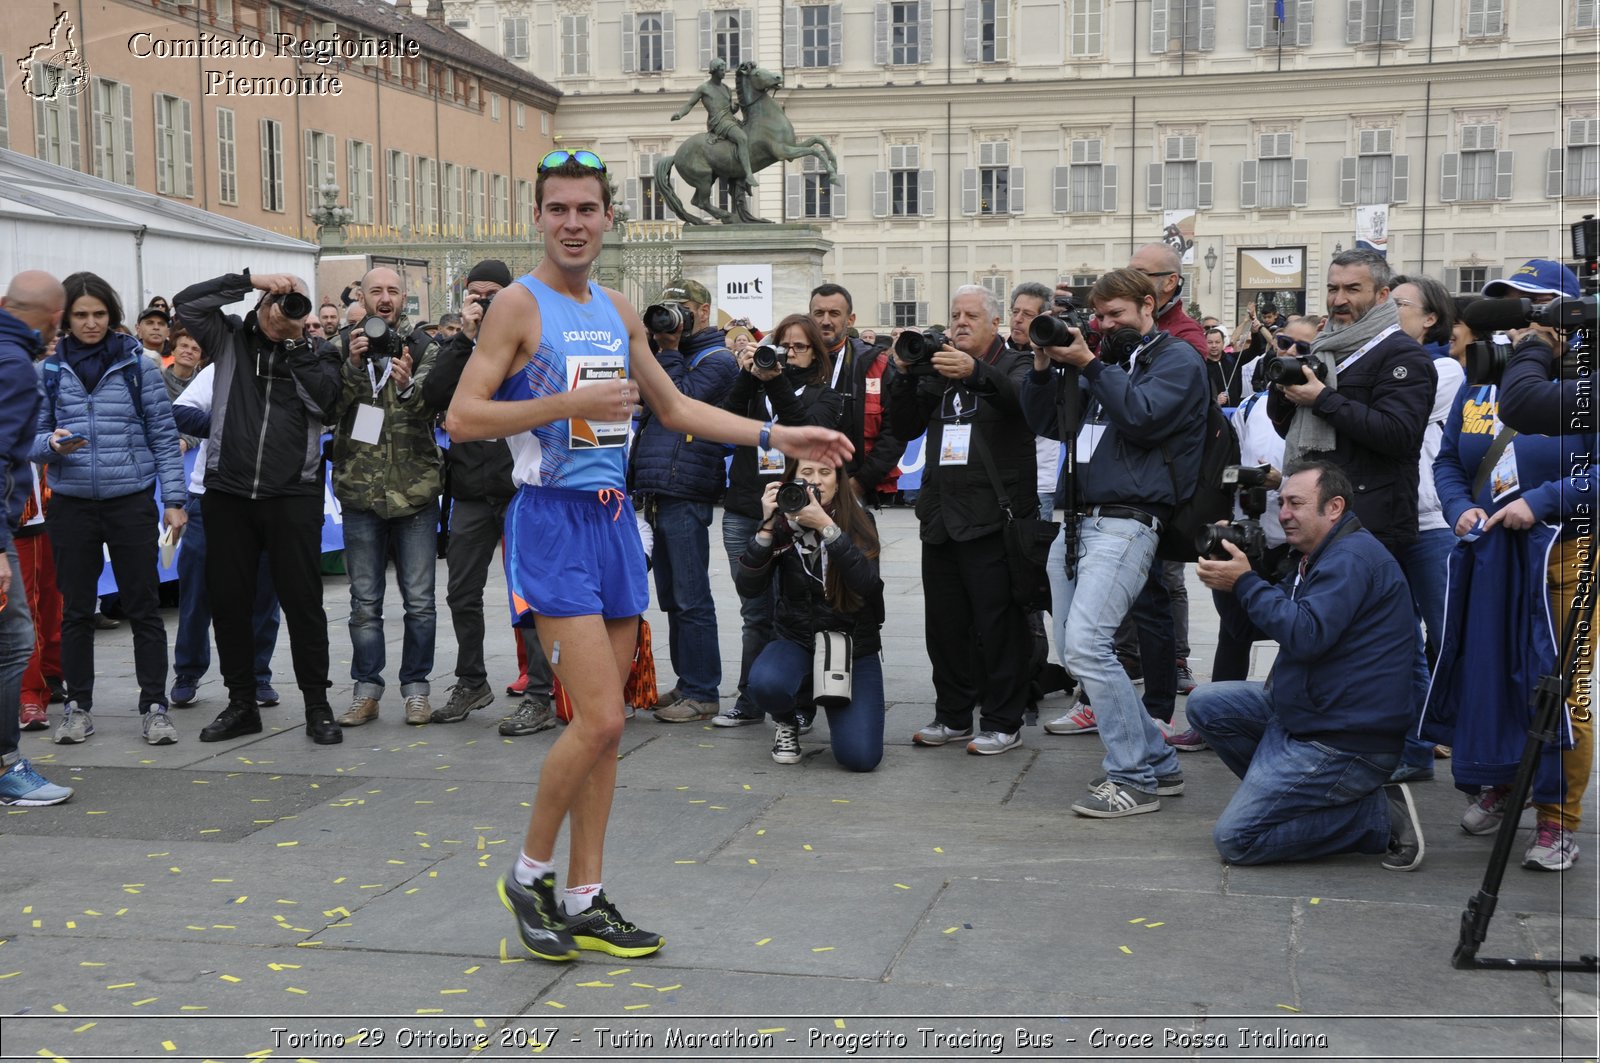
1424	563
683	586
755	613
16	646
1296	800
1114	556
367	538
191	652
782	674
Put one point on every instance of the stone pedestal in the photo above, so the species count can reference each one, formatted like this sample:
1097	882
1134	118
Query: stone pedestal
794	251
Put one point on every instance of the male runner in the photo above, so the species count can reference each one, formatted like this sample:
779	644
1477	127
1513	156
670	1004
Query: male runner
559	365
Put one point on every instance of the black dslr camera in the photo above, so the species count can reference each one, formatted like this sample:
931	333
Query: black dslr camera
382	341
295	305
1055	328
916	350
1249	485
668	318
1285	369
770	356
797	495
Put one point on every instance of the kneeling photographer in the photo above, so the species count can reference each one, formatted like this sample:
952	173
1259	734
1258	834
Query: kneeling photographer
1312	746
818	547
1522	506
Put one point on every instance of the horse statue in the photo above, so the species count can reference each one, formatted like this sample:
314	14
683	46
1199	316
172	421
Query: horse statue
705	158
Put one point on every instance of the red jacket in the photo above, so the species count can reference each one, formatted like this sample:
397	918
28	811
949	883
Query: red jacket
1177	322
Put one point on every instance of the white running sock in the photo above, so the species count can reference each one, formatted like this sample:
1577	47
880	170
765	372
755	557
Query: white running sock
528	870
575	900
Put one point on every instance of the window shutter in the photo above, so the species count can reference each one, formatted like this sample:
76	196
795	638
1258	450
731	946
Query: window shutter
925	31
1354	18
187	111
793	195
669	41
96	137
880	193
922	313
1108	188
925	189
1255	24
1348	168
127	135
1304	28
791	37
1406	23
1153	186
1475	15
311	173
1208	25
74	144
835	34
1300	182
41	143
706	50
1401	185
1502	174
1014	193
1554	165
630	29
352	166
266	164
1061	189
163	186
838	203
747	32
973	25
880	33
1588	14
1203	192
1247	184
1452	280
1158	27
1449	177
1497	273
630	195
969	191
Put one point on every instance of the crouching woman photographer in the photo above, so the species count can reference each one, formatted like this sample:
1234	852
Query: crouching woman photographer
821	547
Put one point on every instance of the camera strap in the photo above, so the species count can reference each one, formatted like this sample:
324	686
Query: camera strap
1491	458
376	381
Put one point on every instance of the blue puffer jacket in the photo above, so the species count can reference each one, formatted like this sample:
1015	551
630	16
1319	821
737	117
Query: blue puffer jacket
673	465
124	454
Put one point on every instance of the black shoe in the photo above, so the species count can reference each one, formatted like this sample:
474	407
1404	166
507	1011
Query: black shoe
238	719
538	920
1405	830
321	728
601	928
58	689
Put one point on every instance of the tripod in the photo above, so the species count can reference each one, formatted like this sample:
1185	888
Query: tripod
1549	700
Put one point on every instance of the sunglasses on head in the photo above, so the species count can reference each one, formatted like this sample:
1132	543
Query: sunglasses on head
560	157
1298	346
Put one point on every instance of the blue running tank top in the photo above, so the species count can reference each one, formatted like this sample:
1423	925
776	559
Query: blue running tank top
579	343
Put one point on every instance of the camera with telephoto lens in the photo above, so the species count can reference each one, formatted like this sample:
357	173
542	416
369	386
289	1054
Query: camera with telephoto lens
382	341
1055	328
797	495
916	350
668	317
294	305
1249	486
770	356
1286	370
1487	354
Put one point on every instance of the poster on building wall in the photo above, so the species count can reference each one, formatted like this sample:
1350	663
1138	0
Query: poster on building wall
1372	228
1272	268
1177	232
744	291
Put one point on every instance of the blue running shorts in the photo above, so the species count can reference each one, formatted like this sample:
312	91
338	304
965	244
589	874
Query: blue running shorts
574	553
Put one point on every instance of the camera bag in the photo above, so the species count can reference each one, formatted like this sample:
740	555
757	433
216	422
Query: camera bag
1027	542
1211	500
832	665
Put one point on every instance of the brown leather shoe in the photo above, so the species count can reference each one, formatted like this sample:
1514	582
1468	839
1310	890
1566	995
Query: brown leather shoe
418	710
361	710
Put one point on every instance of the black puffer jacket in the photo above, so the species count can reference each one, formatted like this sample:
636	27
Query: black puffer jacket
803	607
479	471
810	404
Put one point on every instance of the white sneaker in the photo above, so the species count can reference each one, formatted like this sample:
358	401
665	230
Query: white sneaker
158	730
1554	848
988	743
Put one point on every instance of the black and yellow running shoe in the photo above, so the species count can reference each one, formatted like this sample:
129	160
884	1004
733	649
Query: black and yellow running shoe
603	929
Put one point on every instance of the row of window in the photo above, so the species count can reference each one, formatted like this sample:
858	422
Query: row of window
1275	179
903	31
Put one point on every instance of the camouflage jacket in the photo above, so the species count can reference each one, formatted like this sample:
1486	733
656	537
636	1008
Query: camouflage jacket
398	475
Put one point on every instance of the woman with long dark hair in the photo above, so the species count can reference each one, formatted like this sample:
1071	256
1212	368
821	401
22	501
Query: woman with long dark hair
793	390
105	429
822	560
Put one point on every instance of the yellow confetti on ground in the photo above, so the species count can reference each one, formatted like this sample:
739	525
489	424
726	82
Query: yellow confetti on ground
450	992
211	830
62	1008
838	1024
901	886
1152	926
229	978
13	974
752	859
760	832
634	1007
502	948
553	1004
747	786
684	861
823	948
951	930
641	985
169	1046
938	849
774	1029
807	848
763	941
471	970
597	985
86	1026
123	985
1126	949
1138	920
306	944
90	963
285	845
1288	1007
1316	900
146	1000
193	1007
430	1011
669	988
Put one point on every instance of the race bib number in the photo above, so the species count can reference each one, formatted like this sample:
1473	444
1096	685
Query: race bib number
587	370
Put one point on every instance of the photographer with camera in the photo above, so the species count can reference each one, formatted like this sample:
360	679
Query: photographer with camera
859	376
1144	399
386	478
1312	747
677	478
785	380
270	390
1522	505
962	390
816	549
1533	396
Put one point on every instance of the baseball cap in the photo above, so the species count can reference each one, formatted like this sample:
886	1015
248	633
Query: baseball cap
685	291
1539	276
155	311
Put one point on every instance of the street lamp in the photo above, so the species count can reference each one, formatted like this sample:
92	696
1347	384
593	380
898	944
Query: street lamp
1211	265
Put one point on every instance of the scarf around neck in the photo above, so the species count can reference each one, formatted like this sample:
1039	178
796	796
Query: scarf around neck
1307	432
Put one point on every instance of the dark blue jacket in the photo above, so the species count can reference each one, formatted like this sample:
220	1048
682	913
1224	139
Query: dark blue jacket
1531	401
1344	630
674	465
19	406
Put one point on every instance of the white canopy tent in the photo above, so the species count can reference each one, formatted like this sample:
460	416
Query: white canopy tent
63	221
